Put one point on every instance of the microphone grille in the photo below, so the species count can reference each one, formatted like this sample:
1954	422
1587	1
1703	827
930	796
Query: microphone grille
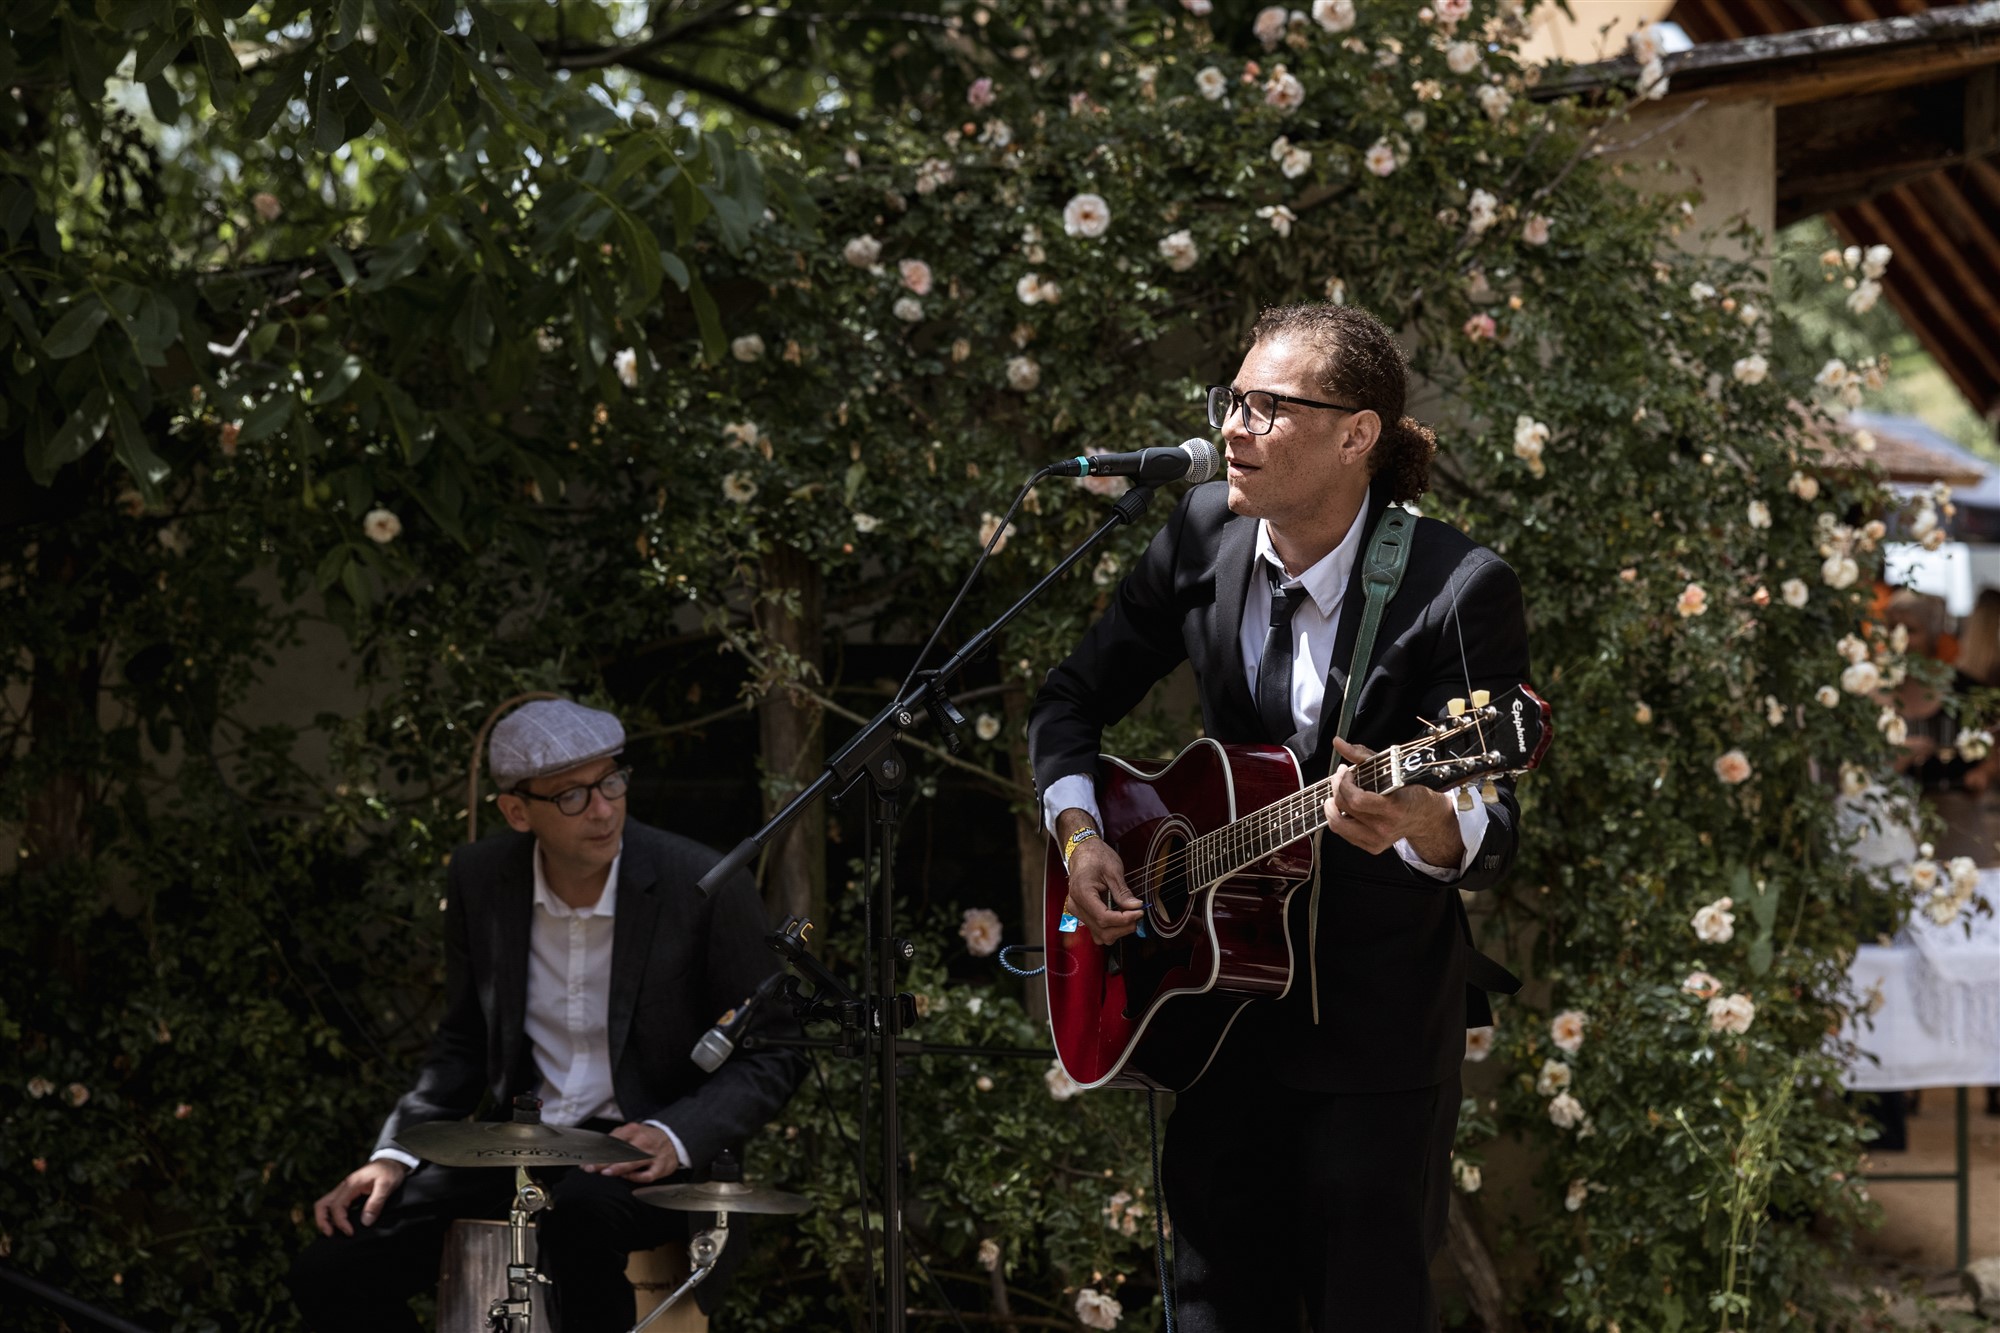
709	1053
1207	460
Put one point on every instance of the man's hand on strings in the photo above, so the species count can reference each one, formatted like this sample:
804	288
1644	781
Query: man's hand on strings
1097	893
1376	821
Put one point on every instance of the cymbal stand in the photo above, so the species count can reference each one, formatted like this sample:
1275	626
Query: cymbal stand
513	1313
703	1251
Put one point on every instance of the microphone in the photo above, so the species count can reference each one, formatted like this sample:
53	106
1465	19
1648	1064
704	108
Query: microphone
719	1042
1197	460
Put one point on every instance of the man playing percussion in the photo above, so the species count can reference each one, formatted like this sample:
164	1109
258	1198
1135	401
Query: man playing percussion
581	965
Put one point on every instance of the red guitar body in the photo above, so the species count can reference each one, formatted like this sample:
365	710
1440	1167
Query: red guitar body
1151	1010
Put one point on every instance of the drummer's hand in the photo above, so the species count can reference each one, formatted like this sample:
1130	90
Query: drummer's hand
378	1180
647	1139
1097	892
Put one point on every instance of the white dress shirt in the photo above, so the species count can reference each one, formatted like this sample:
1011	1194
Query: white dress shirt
568	1019
1315	628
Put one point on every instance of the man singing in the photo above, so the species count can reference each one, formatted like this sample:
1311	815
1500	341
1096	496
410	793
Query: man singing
581	965
1309	1165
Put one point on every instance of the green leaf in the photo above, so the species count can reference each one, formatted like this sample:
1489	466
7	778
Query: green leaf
282	84
714	343
88	66
153	328
362	78
472	326
347	26
343	263
329	125
674	268
75	438
220	63
395	260
355	581
266	417
331	566
642	256
165	102
157	51
74	331
522	56
431	73
336	380
148	469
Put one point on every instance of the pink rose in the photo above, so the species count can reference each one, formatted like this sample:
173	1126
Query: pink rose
980	95
1481	327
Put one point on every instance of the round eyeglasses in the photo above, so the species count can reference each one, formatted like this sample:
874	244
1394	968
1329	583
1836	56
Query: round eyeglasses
1259	406
575	800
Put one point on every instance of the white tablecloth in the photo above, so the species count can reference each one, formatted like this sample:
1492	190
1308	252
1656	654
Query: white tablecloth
1939	1024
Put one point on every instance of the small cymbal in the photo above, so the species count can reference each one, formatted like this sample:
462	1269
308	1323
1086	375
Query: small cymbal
722	1196
512	1143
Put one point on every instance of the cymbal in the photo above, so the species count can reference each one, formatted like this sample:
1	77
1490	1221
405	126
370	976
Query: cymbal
512	1143
722	1196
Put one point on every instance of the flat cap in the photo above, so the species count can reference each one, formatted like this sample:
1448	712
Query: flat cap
547	736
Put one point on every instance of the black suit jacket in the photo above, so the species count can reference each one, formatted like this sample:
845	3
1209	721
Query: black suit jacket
1393	948
678	960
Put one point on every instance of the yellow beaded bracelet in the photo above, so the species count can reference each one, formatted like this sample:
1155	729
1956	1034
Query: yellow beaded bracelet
1076	840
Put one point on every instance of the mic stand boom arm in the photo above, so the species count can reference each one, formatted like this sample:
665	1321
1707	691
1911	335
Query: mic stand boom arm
873	752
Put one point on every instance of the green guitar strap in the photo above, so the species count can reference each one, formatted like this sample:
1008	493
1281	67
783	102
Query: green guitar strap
1382	573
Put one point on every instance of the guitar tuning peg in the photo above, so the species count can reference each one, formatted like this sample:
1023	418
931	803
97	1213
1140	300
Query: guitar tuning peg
1481	698
1464	798
1488	793
1456	708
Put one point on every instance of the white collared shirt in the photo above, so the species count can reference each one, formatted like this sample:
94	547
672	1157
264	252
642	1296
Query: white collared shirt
1315	629
568	1017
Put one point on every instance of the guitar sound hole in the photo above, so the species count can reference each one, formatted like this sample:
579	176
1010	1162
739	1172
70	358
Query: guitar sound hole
1169	879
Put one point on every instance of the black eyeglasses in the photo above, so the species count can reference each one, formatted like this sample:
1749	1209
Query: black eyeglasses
575	800
1260	407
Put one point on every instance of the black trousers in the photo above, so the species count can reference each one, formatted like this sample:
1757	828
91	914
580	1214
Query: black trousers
1322	1206
363	1283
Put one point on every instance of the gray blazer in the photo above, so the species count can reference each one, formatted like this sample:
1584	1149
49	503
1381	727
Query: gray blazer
678	960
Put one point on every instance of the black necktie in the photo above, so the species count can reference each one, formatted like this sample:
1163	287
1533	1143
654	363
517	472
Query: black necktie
1274	669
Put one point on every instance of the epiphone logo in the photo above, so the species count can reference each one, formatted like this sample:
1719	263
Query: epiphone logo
1520	728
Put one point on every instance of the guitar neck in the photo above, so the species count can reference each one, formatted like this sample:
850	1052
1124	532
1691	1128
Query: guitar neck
1227	850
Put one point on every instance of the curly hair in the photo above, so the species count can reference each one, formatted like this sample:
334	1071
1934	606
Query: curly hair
1361	363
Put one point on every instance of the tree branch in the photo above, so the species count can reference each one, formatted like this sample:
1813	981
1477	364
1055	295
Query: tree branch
721	92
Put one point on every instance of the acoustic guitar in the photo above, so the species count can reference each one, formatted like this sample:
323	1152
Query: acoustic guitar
1215	843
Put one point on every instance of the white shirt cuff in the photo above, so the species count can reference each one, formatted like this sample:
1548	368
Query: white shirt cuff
394	1155
1472	825
680	1149
1078	791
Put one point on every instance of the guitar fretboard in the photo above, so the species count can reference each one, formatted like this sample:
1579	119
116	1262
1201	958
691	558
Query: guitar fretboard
1227	850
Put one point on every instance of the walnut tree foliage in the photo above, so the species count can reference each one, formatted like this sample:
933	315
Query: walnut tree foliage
506	347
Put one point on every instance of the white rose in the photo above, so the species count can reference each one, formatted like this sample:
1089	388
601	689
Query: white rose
1565	1112
1748	313
1751	369
1732	767
1715	923
980	926
1566	1030
1644	43
1861	678
1295	163
1759	514
1478	1043
1535	231
1832	375
1827	695
1023	374
1806	488
1495	101
1730	1013
916	275
1283	91
1863	298
1061	1086
866	523
1280	218
1653	80
1335	15
1380	159
1179	250
1270	26
862	251
1480	211
1086	215
1892	726
1574	1196
749	347
381	526
1875	262
989	1254
1553	1078
908	309
1465	1176
1839	571
1212	82
1701	985
992	534
1461	57
738	489
626	365
1095	1309
1794	592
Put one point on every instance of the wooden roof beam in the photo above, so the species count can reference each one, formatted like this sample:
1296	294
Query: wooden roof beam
1925	309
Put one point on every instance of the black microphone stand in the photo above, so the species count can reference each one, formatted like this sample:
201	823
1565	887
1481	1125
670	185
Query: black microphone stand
884	1014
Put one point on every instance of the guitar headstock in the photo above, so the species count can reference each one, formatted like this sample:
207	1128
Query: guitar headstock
1480	738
